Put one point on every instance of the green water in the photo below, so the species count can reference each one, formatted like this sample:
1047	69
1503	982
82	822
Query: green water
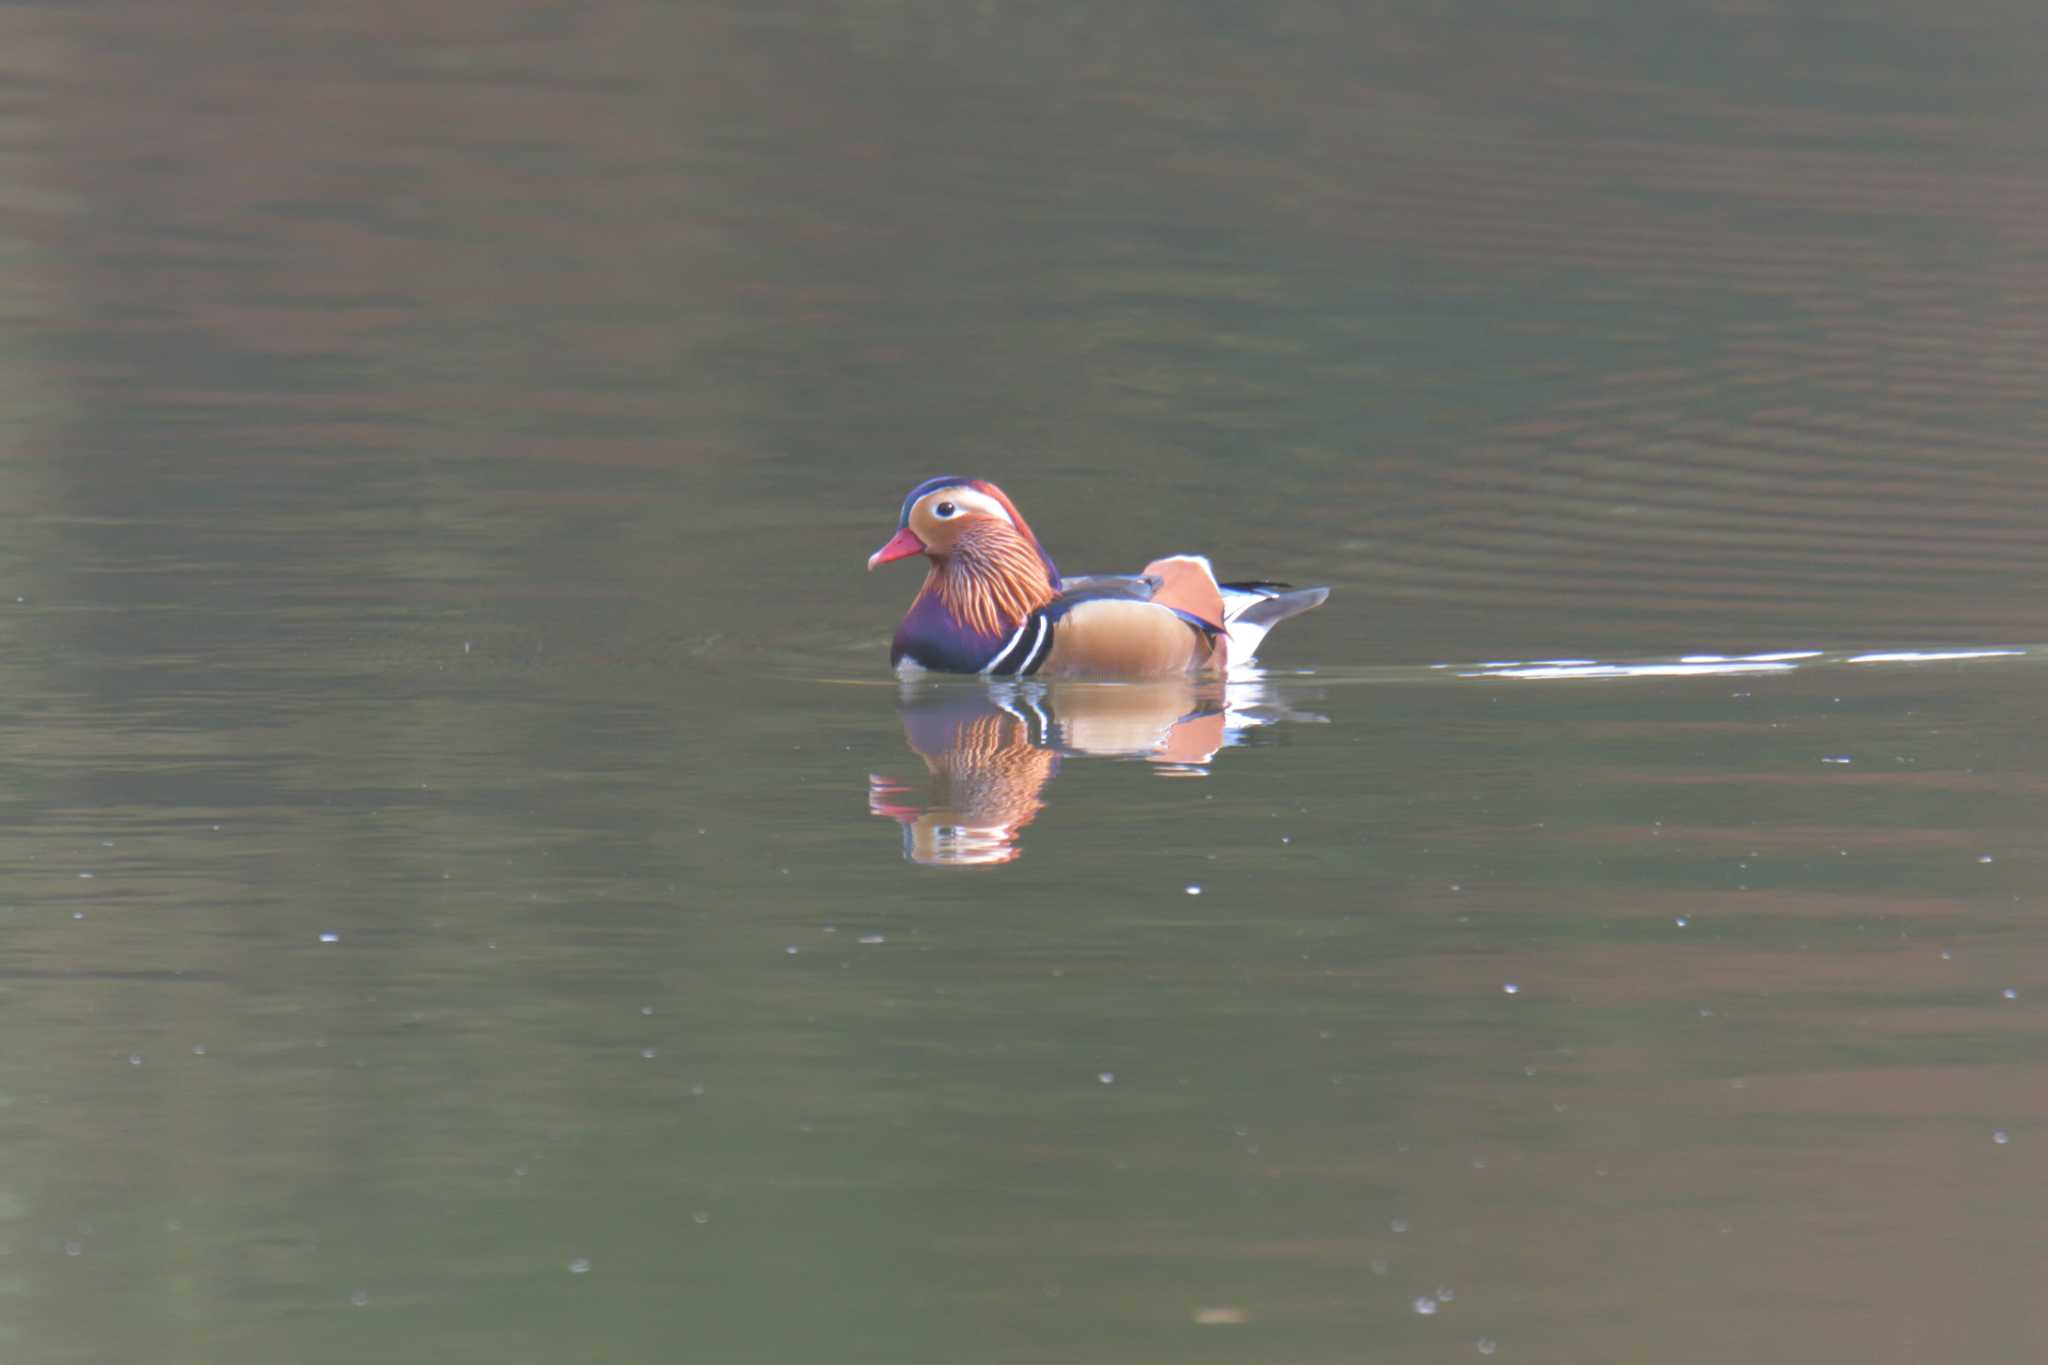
470	889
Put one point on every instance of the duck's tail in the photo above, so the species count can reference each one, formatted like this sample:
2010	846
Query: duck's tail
1252	609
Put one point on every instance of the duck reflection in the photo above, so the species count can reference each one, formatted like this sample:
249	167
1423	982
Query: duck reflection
990	749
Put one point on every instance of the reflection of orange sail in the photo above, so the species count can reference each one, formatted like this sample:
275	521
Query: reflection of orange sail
990	751
1168	722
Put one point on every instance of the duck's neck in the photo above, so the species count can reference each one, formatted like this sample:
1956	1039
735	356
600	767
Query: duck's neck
992	581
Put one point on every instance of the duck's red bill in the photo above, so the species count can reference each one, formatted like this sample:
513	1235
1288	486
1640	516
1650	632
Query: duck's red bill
902	545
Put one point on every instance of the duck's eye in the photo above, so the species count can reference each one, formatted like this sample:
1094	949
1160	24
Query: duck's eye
944	509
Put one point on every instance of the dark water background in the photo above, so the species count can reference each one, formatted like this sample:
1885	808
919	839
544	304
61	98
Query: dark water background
441	912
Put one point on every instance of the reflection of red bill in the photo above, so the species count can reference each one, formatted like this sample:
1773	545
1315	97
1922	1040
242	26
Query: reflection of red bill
880	789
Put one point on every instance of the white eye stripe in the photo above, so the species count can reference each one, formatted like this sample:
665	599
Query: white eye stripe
967	500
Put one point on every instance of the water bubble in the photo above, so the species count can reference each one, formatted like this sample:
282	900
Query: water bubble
1398	1225
2010	993
1982	858
1106	1077
1425	1305
361	1298
1837	759
87	876
647	1009
2000	1136
198	1049
1487	1345
1510	988
649	1053
1444	1293
74	1248
580	1266
330	937
135	1059
1682	921
700	1216
1947	956
1193	889
872	939
792	950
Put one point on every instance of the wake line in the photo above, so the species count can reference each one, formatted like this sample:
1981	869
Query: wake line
1709	665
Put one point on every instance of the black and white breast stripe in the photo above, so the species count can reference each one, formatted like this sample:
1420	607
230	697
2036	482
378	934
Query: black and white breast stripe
1021	700
1021	655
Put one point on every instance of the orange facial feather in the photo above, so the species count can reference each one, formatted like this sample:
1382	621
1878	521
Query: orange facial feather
992	580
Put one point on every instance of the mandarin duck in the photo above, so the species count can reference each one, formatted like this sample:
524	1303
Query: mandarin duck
993	603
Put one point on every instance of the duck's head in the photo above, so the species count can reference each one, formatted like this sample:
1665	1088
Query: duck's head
949	515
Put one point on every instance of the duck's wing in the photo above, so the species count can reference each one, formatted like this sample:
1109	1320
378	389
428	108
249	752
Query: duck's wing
1113	625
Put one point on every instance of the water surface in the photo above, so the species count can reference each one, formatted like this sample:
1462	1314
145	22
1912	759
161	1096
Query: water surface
455	898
